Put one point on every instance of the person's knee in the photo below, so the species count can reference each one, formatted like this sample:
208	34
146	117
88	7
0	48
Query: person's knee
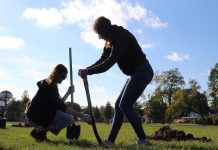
72	120
124	107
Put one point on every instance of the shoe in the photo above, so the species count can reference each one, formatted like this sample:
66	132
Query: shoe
146	141
38	135
108	143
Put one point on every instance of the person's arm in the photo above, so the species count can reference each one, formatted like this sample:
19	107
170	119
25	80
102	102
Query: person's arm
117	50
104	56
70	90
83	116
73	112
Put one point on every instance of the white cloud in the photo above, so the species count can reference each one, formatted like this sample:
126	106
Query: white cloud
44	17
2	29
11	42
91	38
83	13
2	73
139	31
153	21
147	45
97	89
113	76
174	56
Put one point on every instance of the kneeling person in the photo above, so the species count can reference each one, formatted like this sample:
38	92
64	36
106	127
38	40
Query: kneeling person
47	111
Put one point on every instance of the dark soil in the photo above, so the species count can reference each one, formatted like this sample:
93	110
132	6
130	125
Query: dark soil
21	125
168	134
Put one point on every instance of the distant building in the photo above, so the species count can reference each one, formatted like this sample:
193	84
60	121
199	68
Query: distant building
2	104
188	118
212	113
193	115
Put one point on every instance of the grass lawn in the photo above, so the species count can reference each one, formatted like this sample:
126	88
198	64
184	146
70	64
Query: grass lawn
15	138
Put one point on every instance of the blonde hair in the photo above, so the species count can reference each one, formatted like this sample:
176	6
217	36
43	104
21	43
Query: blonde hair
56	73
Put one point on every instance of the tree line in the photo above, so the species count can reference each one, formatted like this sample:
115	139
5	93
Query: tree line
172	98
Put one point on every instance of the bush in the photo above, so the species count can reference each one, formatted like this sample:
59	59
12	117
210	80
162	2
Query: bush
215	120
198	121
209	121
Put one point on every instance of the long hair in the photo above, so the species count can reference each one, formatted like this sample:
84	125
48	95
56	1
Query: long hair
102	26
56	73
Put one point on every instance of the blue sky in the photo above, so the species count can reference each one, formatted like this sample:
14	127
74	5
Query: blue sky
36	35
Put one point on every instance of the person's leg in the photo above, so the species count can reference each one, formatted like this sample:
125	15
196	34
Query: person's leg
38	133
60	121
136	85
118	118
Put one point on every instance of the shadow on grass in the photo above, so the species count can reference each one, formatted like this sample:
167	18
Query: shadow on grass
84	144
78	143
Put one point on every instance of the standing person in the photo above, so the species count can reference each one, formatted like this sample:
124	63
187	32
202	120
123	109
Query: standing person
47	111
122	48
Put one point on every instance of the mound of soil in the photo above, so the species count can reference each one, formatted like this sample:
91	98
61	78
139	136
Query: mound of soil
21	125
168	134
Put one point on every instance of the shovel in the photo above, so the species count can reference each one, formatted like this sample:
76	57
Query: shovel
86	85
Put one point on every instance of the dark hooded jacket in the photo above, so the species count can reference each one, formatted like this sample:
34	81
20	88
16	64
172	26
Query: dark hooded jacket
124	50
45	104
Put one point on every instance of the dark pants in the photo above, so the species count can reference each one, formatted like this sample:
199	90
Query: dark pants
131	91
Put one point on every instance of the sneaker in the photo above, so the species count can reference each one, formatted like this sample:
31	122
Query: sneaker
39	136
146	141
108	143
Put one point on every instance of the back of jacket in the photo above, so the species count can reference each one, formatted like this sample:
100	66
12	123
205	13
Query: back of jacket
45	104
124	50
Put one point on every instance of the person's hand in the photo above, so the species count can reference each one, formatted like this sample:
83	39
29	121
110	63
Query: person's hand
86	118
71	89
82	72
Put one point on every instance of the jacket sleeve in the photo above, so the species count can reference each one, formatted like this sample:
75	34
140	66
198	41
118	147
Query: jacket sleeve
116	51
104	56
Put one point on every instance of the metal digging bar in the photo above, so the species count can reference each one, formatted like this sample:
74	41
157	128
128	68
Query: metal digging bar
73	131
86	85
71	73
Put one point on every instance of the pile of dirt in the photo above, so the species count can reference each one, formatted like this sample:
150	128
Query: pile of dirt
21	125
168	134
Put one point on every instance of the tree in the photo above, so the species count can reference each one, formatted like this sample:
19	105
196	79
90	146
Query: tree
25	98
97	113
108	112
188	100
200	104
75	106
85	110
180	105
24	102
14	111
213	87
193	84
139	108
156	107
169	82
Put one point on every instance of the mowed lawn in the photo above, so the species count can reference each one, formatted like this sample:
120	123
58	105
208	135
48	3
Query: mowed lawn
16	138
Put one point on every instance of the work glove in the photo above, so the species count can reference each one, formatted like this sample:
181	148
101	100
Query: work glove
82	72
86	118
71	89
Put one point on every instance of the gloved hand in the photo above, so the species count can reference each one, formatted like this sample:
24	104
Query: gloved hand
71	89
86	118
82	72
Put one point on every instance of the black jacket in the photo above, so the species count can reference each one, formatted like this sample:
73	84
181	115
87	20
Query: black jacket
45	104
124	50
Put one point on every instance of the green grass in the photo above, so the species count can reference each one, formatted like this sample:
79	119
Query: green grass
14	138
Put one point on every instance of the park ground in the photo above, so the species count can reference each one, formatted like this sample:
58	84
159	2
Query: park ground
17	138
